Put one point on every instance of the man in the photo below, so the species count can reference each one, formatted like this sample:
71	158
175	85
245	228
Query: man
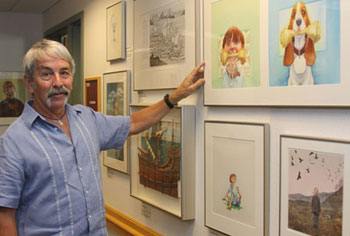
10	106
50	176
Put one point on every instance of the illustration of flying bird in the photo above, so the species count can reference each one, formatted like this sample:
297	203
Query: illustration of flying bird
300	160
292	163
316	157
311	153
299	176
308	170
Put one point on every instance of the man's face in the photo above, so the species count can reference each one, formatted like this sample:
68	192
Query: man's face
9	91
52	84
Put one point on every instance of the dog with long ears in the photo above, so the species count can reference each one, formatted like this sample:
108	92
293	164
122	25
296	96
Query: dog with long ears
300	51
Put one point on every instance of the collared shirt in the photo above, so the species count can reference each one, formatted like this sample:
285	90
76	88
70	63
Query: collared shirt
55	183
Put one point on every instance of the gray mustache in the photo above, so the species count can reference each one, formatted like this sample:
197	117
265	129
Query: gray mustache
57	91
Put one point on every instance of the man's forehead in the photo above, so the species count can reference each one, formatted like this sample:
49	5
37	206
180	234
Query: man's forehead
51	63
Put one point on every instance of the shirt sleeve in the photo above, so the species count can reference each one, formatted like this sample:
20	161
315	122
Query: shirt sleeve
11	176
112	130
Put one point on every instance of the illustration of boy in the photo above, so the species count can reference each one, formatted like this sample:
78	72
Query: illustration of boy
232	52
233	195
316	207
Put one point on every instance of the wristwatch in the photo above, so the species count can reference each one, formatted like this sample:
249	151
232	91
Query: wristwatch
167	101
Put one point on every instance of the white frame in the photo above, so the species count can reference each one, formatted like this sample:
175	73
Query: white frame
184	206
166	76
118	51
117	77
253	220
333	95
332	146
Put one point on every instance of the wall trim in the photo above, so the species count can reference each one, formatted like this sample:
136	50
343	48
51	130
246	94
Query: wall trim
128	224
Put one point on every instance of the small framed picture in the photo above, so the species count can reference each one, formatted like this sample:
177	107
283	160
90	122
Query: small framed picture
116	28
163	163
314	185
237	178
116	95
92	95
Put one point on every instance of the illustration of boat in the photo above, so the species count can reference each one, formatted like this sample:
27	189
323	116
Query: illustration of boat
159	161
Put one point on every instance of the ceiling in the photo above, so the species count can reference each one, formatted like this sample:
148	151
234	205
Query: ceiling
26	6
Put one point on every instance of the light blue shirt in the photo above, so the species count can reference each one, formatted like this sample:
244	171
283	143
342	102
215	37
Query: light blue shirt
55	184
237	82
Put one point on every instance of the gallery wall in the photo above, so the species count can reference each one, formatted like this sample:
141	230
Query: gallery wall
332	123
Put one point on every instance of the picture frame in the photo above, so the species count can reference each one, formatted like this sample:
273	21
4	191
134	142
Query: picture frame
13	94
313	186
116	31
163	162
92	93
116	97
165	49
237	177
269	79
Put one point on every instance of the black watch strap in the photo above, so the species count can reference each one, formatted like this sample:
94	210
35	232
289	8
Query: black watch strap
167	101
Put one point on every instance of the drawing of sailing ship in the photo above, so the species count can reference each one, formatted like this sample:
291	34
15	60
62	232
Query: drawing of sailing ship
159	158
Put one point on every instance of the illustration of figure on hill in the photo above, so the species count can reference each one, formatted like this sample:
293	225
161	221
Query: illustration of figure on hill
233	196
316	207
10	106
232	57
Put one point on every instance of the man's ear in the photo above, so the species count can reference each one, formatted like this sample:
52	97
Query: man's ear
29	83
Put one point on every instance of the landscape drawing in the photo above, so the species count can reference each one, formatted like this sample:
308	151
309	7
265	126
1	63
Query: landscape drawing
159	154
315	203
167	36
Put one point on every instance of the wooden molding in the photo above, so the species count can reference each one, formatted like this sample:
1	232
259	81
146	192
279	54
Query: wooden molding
116	219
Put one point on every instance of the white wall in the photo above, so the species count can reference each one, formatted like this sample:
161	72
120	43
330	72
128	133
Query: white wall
327	123
18	33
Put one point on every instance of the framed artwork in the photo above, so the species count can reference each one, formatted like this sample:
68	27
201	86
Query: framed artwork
285	57
165	47
116	93
314	186
237	177
92	95
163	163
116	31
12	94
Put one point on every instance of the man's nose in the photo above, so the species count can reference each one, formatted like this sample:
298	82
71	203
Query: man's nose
57	80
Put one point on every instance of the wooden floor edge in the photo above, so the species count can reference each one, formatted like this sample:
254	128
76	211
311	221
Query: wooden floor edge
128	224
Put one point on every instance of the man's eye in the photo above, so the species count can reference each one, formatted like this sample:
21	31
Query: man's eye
46	75
65	74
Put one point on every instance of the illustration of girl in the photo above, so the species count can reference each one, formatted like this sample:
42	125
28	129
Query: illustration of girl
233	196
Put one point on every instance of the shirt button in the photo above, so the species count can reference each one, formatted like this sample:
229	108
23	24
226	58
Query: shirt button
89	216
80	168
86	192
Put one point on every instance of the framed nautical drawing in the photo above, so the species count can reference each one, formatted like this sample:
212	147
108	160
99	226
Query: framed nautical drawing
313	186
165	47
116	93
278	57
163	163
116	31
237	177
92	94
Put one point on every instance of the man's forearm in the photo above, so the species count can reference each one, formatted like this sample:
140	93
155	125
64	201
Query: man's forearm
8	222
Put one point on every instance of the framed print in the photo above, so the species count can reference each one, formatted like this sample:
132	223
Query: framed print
165	47
116	93
314	186
283	57
92	95
116	27
163	163
237	177
12	94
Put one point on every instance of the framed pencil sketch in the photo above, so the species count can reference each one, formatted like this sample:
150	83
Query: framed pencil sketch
92	94
163	163
116	31
313	186
237	177
165	47
116	93
276	57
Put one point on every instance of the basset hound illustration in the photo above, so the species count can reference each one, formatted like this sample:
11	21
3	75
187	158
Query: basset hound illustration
298	39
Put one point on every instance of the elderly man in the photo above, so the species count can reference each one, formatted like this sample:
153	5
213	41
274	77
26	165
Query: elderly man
10	106
50	174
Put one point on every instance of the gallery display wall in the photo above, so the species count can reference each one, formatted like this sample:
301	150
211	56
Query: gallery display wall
319	120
